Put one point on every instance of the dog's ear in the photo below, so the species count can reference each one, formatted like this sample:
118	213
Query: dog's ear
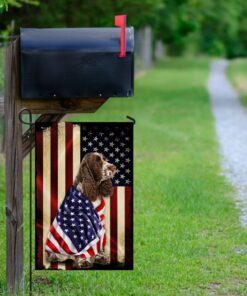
88	186
82	174
105	188
90	189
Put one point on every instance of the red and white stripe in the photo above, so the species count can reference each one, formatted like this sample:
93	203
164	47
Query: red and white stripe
59	243
57	161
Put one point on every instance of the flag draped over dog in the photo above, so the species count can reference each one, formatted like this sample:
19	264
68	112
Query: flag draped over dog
63	213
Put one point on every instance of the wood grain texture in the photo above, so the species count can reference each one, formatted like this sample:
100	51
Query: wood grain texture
51	106
14	202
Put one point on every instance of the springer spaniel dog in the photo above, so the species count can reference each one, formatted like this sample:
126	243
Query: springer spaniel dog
78	230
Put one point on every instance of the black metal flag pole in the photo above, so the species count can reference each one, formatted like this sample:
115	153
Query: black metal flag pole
30	123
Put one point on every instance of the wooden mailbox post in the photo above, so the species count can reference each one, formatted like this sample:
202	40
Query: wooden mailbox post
21	64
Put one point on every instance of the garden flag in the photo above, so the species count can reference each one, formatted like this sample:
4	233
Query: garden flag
74	230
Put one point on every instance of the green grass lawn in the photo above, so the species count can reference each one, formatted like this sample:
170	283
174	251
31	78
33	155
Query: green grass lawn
237	72
188	239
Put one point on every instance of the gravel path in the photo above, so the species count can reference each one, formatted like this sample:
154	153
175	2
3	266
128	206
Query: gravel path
231	128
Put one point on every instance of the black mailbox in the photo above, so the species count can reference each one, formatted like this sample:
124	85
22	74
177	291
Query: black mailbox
76	63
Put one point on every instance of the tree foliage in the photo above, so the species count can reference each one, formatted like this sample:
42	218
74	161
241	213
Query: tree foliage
175	21
211	27
84	13
215	27
4	4
220	26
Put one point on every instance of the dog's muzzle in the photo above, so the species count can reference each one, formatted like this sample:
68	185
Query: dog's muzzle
109	171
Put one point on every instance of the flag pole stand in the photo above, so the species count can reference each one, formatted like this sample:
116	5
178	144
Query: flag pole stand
29	135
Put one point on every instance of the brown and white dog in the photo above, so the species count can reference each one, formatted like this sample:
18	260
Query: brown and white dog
93	180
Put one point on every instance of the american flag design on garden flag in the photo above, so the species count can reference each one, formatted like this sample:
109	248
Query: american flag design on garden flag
60	148
78	228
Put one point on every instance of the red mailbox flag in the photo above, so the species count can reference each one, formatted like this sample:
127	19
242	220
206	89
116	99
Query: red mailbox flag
120	21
